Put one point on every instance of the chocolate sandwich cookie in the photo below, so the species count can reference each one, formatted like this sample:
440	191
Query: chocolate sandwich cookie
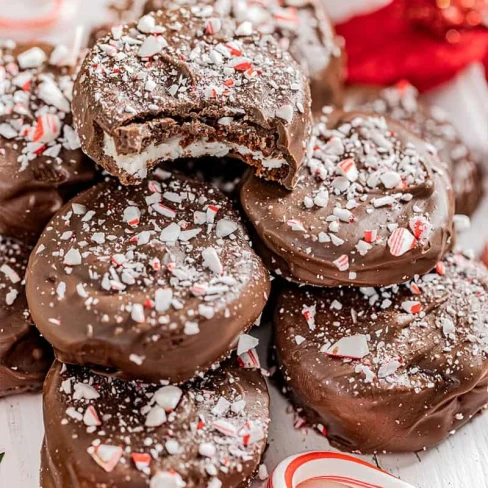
25	356
373	206
107	432
302	27
388	369
401	102
189	83
153	282
41	163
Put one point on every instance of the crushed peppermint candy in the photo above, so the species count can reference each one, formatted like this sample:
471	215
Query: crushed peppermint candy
365	188
402	102
174	57
134	268
35	103
122	426
410	335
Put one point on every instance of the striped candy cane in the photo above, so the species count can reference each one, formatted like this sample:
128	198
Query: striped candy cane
44	20
334	467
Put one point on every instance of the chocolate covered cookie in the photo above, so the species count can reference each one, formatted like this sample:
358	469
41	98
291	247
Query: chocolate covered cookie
189	83
107	432
373	206
389	369
41	164
153	282
401	102
301	27
25	356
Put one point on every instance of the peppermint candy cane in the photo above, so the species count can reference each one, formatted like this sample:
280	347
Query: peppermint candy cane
44	20
331	466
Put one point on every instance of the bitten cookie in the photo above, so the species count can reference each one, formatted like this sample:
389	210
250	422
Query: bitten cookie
373	206
401	102
154	282
188	83
302	27
107	432
25	356
388	369
41	164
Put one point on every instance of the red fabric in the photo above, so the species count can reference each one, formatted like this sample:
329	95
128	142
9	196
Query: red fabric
387	46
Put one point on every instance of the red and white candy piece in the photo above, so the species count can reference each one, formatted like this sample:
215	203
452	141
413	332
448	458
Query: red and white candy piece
370	236
249	359
213	25
309	313
142	460
347	168
225	427
132	216
91	418
440	267
401	241
334	467
250	433
342	263
353	347
421	227
47	129
411	306
106	456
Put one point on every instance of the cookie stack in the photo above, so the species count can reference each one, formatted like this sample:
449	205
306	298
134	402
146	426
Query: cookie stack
388	351
41	167
146	283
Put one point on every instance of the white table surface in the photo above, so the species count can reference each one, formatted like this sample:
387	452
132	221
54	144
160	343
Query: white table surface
461	461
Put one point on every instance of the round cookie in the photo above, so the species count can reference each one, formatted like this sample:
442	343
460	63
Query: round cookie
303	28
25	356
41	164
188	83
401	102
107	432
373	206
388	369
153	282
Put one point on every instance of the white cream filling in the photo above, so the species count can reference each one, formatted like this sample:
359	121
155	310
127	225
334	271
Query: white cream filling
136	164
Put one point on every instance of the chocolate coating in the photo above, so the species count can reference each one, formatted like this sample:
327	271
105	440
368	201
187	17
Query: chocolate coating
368	179
154	282
141	98
25	356
416	368
187	443
41	165
401	102
303	28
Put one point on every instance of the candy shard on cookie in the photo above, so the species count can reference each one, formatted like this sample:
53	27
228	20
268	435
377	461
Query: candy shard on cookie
194	85
204	441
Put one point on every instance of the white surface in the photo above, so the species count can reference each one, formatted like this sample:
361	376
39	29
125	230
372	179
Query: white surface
461	461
